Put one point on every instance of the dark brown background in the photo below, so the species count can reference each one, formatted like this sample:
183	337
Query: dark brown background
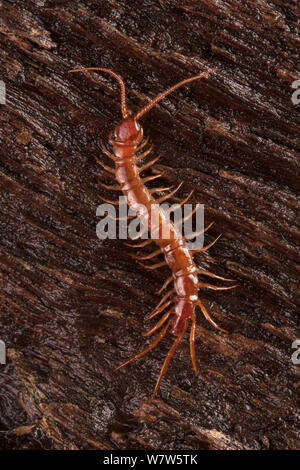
72	307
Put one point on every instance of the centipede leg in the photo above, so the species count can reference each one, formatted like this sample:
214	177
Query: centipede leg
151	178
157	190
209	274
154	266
110	138
165	297
109	201
140	245
167	196
119	218
158	338
210	286
180	204
106	151
147	165
192	343
204	248
208	317
165	284
108	186
145	229
143	144
185	219
144	154
167	360
107	168
156	312
193	235
159	323
152	255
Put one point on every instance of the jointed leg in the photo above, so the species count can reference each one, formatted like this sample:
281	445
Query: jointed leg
210	286
145	142
185	219
154	266
180	204
204	248
144	154
119	218
193	235
209	274
109	201
208	317
140	245
107	168
165	297
106	151
151	178
158	190
167	196
192	343
146	350
159	323
157	311
165	284
167	360
152	255
109	186
147	165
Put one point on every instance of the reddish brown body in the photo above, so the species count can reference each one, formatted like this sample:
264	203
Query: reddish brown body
183	298
128	135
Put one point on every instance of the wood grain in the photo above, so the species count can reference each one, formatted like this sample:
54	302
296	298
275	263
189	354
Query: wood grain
72	306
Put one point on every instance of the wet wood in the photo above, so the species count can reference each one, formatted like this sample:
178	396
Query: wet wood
72	306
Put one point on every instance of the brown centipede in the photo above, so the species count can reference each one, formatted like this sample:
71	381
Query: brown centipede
178	305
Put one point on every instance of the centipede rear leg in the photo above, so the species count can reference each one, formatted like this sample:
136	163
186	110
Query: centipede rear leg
152	345
167	360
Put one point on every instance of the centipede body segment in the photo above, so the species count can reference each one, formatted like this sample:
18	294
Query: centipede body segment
177	308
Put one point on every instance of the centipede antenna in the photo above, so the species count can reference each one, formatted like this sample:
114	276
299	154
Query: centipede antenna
170	90
119	80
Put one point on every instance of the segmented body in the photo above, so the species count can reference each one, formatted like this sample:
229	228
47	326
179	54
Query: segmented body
174	249
178	305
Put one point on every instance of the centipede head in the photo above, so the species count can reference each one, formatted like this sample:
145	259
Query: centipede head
129	130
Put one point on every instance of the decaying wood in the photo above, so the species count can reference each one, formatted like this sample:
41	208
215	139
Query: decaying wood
73	307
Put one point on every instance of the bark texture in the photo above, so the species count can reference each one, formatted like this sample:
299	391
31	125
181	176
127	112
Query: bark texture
73	307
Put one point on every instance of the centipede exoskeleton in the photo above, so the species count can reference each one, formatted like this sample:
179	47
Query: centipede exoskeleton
178	306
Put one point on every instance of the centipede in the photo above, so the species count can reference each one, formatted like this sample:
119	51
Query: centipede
176	310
